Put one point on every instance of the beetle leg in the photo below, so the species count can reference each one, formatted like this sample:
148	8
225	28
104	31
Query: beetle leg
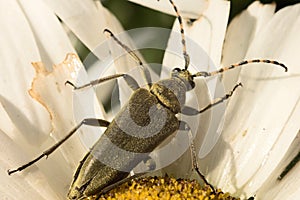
185	127
192	111
88	121
131	82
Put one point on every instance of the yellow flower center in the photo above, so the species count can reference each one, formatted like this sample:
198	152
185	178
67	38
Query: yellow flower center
161	188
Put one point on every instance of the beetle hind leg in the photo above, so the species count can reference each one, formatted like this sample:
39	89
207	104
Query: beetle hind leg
185	127
46	153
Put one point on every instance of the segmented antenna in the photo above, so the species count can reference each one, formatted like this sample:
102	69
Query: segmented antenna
183	41
146	72
206	74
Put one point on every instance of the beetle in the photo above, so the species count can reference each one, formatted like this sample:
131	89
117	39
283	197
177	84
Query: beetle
157	105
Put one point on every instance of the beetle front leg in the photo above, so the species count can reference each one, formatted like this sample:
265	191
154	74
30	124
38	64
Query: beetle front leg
88	121
131	82
186	110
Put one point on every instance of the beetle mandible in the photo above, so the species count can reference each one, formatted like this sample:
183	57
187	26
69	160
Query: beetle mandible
166	97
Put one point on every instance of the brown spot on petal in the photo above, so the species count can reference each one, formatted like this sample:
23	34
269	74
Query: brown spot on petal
49	89
245	133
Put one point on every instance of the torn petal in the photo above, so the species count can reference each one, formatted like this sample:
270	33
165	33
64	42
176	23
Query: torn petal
66	109
17	52
49	89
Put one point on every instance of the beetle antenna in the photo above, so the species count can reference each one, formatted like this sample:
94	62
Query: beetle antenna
183	41
223	69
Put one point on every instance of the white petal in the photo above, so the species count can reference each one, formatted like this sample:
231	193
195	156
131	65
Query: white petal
204	39
76	14
84	18
51	39
187	8
287	188
262	116
23	119
204	44
18	50
240	33
66	109
105	64
33	185
120	59
28	122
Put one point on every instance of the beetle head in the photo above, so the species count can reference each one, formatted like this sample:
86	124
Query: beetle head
185	76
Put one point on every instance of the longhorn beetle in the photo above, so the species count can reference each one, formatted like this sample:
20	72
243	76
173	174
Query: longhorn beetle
165	96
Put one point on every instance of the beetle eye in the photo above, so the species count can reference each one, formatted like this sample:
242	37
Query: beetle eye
176	69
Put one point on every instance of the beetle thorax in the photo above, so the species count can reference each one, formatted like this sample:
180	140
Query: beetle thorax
171	93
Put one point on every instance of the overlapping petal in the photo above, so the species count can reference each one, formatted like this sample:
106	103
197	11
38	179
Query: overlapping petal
205	38
240	33
30	123
262	118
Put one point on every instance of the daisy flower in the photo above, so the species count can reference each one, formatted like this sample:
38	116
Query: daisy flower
255	141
